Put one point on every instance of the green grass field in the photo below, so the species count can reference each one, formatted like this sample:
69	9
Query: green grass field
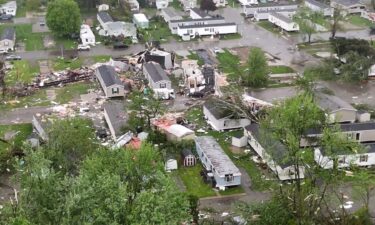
268	26
194	56
194	182
39	98
62	64
22	72
72	91
101	58
280	69
157	31
23	130
360	21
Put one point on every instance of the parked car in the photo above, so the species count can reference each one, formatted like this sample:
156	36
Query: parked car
42	23
5	17
83	47
120	45
12	57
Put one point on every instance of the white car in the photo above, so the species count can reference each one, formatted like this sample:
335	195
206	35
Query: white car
83	47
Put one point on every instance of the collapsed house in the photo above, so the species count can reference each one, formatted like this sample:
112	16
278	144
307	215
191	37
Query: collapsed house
115	117
198	80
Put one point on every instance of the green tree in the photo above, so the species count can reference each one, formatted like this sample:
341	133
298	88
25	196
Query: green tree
306	19
33	5
70	141
337	18
63	17
256	71
146	106
208	5
356	67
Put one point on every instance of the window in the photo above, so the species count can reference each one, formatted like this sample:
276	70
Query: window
206	29
115	90
342	160
357	136
229	178
363	158
163	85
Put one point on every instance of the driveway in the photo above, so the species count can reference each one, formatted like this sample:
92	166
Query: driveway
22	115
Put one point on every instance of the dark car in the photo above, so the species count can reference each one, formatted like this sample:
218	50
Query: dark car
196	95
5	17
120	45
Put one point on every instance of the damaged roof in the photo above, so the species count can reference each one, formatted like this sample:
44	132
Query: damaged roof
105	17
156	72
117	117
273	147
218	109
220	161
332	103
8	34
108	75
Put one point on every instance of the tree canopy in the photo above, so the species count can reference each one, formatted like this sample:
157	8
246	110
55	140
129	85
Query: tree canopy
63	17
256	69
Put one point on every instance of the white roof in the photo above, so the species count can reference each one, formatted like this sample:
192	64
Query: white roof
11	4
179	130
140	17
86	31
220	161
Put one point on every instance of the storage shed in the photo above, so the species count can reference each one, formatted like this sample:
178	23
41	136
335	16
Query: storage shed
239	140
140	20
188	158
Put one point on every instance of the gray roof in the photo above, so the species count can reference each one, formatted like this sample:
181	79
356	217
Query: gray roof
281	17
271	5
116	114
218	109
348	127
8	34
273	147
318	4
332	103
105	17
186	152
198	20
215	154
108	75
171	12
368	147
156	72
208	25
348	2
265	10
200	12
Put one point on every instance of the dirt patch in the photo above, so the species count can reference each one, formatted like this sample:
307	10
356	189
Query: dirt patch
45	67
48	41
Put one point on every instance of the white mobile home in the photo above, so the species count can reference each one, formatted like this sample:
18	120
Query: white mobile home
220	117
104	19
284	21
170	14
189	4
156	76
8	40
174	24
263	14
115	117
161	4
346	159
317	6
218	163
248	2
337	110
250	9
9	8
110	82
192	31
86	35
272	152
349	6
140	20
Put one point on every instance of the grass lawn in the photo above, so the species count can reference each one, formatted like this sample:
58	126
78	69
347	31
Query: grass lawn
33	41
176	4
194	56
280	69
23	130
231	36
269	26
314	47
101	58
322	22
22	72
359	21
157	31
21	9
194	182
234	3
39	98
62	64
67	43
72	91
